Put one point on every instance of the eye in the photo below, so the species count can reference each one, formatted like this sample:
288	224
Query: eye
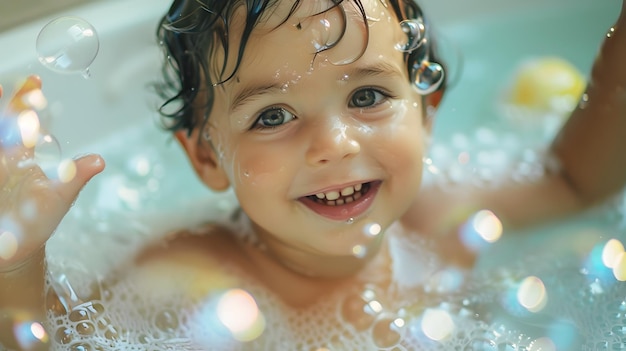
272	118
367	97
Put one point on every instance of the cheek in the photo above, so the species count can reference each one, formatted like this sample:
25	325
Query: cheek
400	150
402	140
256	168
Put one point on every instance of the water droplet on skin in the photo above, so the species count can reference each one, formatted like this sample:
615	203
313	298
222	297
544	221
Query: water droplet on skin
68	45
350	220
284	87
296	79
611	32
584	101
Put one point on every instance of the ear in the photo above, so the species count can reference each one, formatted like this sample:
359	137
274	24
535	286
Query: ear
204	160
431	102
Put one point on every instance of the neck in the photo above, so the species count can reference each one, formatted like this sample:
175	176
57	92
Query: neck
312	264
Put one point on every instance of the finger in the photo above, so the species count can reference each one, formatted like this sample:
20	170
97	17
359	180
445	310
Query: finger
86	168
0	91
17	102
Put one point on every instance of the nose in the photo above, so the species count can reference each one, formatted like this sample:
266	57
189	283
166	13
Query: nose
332	143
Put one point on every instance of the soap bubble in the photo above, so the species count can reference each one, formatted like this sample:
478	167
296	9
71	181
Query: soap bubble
68	45
26	333
47	155
415	35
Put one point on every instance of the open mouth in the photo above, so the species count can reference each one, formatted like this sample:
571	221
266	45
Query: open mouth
345	196
344	204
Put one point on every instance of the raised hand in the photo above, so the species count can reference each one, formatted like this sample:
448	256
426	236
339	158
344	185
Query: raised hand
31	203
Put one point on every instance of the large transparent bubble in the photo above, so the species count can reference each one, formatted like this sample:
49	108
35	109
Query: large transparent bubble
68	45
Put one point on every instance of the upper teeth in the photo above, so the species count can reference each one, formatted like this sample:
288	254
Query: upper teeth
334	195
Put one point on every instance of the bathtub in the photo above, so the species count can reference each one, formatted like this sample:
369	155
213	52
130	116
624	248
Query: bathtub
113	112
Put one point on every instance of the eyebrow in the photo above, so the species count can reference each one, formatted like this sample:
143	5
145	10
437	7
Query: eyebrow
376	69
253	91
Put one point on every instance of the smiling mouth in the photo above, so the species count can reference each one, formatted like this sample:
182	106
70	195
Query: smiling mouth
345	204
345	196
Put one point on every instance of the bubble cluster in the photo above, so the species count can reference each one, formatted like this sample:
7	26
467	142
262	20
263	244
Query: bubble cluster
68	45
485	158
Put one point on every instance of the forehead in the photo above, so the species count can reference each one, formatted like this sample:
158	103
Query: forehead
307	34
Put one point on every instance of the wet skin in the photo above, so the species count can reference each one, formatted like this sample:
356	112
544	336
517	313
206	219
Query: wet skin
309	124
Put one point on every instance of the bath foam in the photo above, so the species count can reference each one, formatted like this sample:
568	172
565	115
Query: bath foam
476	308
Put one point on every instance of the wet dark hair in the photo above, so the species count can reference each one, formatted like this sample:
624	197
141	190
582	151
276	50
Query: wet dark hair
193	30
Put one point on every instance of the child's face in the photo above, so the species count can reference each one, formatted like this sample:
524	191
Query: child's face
291	124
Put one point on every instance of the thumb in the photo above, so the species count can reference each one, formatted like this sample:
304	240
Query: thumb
86	167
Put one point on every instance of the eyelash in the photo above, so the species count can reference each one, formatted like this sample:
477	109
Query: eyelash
386	95
258	126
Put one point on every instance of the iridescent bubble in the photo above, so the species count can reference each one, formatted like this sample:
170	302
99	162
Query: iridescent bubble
482	228
619	270
427	77
238	311
611	252
414	30
28	124
532	294
372	229
25	332
437	324
68	45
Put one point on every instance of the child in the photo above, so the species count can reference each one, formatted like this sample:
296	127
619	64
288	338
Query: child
314	114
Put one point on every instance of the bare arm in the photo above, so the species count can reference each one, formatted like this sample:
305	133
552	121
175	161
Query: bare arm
590	150
592	145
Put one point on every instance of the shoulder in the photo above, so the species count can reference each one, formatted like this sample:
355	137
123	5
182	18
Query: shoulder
193	261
